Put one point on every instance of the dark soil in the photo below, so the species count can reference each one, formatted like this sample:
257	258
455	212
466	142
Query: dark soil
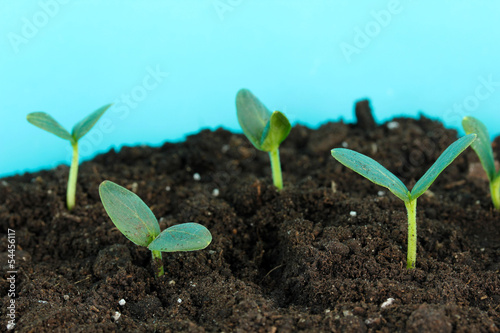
326	254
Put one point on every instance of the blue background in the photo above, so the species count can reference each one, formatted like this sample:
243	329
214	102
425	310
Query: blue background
309	59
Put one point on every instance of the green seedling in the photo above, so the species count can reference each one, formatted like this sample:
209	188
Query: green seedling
46	122
137	222
375	172
264	129
482	147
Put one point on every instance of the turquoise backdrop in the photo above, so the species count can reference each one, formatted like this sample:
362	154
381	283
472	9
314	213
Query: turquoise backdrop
173	67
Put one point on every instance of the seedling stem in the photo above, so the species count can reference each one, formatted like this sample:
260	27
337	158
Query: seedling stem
274	155
411	209
73	174
158	263
495	192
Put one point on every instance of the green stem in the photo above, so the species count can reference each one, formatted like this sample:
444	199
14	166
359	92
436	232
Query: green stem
158	263
495	191
73	174
274	155
411	208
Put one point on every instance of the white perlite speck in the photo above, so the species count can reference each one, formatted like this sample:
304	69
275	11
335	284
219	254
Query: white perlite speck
116	315
66	297
381	193
122	302
168	188
353	213
387	303
344	144
215	192
197	176
392	125
10	326
179	300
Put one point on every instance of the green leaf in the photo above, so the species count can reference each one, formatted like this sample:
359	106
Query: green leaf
441	163
276	130
182	237
253	116
85	125
46	122
129	213
482	145
372	170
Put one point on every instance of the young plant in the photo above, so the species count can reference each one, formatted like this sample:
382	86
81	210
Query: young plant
46	122
137	222
482	147
375	172
264	129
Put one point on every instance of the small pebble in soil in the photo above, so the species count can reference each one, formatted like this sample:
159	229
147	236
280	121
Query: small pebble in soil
353	213
387	303
66	297
344	144
197	177
168	188
116	315
334	187
134	187
10	326
392	125
371	321
381	193
225	149
347	313
215	192
179	300
171	282
122	302
43	302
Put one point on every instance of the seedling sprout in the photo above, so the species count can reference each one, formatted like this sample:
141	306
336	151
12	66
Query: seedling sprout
137	222
46	122
482	147
264	129
375	172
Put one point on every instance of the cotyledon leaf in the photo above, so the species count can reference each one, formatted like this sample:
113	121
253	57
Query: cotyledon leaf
86	124
252	116
482	145
46	122
129	213
441	163
182	237
277	129
369	168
